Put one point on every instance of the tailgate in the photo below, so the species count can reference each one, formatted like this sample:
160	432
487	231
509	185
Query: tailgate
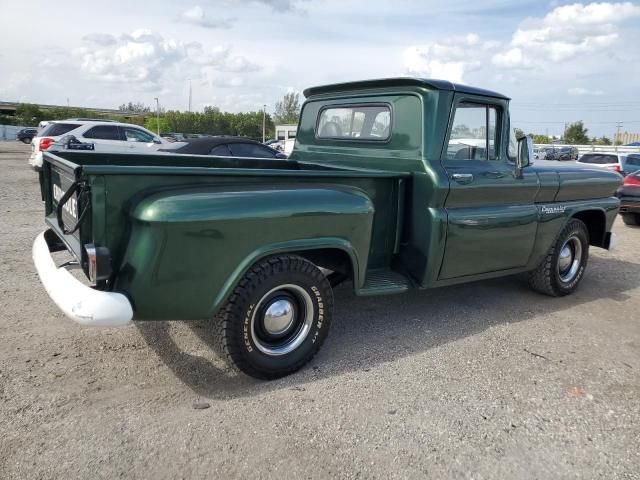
67	203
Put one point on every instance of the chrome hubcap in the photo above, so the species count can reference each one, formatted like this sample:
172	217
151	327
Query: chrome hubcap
282	320
278	317
570	259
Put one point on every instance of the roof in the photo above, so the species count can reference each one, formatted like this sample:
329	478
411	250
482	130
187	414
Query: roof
202	146
401	82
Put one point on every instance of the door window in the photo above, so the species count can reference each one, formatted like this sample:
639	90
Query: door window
473	133
137	135
103	132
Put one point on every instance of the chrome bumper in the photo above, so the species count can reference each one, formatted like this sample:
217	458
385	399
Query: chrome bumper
79	302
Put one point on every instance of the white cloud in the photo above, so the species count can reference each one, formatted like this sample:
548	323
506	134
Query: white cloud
579	91
449	59
565	33
103	39
139	57
197	16
145	58
512	58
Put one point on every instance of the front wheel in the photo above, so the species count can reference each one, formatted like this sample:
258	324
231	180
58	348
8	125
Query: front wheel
276	318
562	269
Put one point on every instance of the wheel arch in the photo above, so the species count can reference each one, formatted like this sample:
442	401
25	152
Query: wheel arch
596	222
330	253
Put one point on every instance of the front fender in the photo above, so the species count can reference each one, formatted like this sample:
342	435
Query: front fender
188	248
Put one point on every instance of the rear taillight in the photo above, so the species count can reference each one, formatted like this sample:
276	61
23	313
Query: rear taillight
99	263
632	181
45	143
615	168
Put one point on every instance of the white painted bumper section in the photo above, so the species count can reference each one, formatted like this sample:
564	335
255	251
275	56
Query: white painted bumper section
78	301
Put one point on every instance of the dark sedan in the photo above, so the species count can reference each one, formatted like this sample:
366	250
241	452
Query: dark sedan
26	134
226	147
629	195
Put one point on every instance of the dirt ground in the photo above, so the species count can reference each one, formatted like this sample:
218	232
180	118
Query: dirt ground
485	380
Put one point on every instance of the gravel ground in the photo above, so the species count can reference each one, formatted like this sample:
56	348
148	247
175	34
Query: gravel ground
486	380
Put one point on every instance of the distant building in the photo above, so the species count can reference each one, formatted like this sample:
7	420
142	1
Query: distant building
626	137
286	132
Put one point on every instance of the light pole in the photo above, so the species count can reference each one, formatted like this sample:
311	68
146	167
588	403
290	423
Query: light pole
264	122
157	114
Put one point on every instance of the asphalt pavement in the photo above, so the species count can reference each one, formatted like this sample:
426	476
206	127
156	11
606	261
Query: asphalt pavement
484	380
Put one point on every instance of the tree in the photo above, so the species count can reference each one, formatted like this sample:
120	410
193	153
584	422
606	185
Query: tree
576	134
602	141
543	139
137	107
288	110
29	115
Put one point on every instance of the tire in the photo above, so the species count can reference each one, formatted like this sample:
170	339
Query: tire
277	317
563	268
631	218
26	140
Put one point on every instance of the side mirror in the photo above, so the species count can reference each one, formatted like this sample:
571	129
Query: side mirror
157	141
525	153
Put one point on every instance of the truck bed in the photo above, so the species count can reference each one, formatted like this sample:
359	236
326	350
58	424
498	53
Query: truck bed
185	198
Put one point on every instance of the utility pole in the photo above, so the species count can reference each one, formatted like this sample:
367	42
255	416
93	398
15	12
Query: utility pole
617	135
189	95
264	122
157	114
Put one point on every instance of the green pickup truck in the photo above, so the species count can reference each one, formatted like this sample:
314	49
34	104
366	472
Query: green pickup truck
392	184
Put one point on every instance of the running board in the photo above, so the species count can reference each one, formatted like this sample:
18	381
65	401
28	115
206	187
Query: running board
383	281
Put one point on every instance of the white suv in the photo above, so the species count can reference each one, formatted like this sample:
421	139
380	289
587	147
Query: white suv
107	136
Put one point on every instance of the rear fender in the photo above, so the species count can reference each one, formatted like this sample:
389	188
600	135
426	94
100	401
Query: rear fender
189	248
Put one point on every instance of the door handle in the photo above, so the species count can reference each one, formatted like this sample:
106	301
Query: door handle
462	177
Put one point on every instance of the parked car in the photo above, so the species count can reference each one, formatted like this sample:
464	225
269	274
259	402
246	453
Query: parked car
568	153
108	136
26	134
256	245
546	153
630	162
224	146
618	162
629	195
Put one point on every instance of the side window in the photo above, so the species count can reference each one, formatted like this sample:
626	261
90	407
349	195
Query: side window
473	134
291	134
103	132
250	150
280	135
362	122
136	135
220	150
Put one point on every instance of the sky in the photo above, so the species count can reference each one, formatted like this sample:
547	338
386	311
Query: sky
559	62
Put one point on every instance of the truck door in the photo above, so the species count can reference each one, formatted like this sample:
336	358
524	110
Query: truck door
492	218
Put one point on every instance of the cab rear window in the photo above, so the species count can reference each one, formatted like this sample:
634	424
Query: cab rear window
57	129
355	122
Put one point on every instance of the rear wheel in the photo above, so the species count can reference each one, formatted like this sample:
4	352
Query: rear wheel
631	218
562	269
276	318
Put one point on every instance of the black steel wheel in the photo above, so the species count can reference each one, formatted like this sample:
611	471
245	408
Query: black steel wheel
563	268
